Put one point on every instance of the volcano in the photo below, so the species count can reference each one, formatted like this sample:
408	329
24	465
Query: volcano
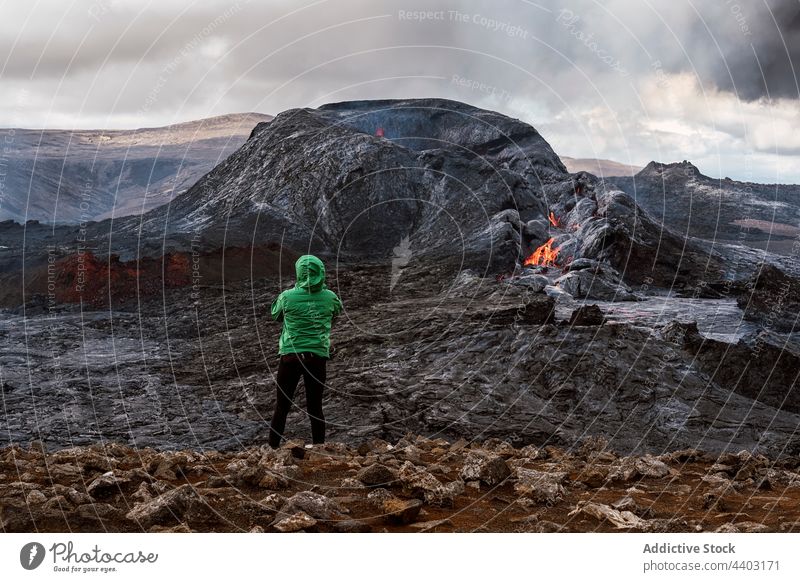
625	328
462	186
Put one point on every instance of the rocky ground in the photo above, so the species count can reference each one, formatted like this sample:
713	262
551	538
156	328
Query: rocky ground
415	484
439	354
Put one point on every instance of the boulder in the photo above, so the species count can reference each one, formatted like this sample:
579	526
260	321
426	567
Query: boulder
542	487
604	513
630	468
418	482
376	475
401	511
105	485
317	506
35	497
295	522
174	505
772	299
488	468
535	283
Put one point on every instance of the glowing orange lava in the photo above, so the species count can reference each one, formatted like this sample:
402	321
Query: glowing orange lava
544	256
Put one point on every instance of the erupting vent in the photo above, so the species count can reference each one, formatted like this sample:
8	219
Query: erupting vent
544	256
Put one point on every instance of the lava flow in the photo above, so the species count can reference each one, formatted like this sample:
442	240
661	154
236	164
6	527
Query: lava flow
553	220
544	256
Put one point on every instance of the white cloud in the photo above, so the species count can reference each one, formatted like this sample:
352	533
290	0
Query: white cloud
108	68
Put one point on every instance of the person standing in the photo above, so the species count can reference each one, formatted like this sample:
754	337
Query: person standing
307	311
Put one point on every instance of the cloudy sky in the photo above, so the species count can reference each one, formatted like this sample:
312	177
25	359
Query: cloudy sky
711	81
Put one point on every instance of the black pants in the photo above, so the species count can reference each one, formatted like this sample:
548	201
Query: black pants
290	368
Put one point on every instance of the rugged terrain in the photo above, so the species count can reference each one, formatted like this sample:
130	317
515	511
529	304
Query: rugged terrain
456	357
414	484
724	211
73	176
488	293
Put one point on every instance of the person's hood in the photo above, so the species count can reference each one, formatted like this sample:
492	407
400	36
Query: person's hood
310	273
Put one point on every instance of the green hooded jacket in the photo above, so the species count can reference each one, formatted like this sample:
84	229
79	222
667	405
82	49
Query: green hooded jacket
307	310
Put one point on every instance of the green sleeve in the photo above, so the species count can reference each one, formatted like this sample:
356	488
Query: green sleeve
277	308
337	305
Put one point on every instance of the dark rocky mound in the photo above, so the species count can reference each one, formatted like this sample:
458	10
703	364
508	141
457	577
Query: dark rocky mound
763	216
771	298
322	180
426	180
421	183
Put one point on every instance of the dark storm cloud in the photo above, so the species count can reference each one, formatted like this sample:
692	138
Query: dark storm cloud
581	69
762	58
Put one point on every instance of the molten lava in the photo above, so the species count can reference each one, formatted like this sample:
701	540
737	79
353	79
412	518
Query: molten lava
544	256
553	220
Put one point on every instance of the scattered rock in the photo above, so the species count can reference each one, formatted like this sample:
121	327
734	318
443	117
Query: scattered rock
376	475
418	482
490	469
105	485
540	486
752	527
35	497
316	505
174	505
401	511
295	522
604	513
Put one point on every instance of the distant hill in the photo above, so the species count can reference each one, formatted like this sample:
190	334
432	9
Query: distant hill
598	167
762	216
67	176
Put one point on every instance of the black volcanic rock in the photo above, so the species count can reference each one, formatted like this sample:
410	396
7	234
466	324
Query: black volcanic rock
606	224
763	216
772	298
587	315
441	182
